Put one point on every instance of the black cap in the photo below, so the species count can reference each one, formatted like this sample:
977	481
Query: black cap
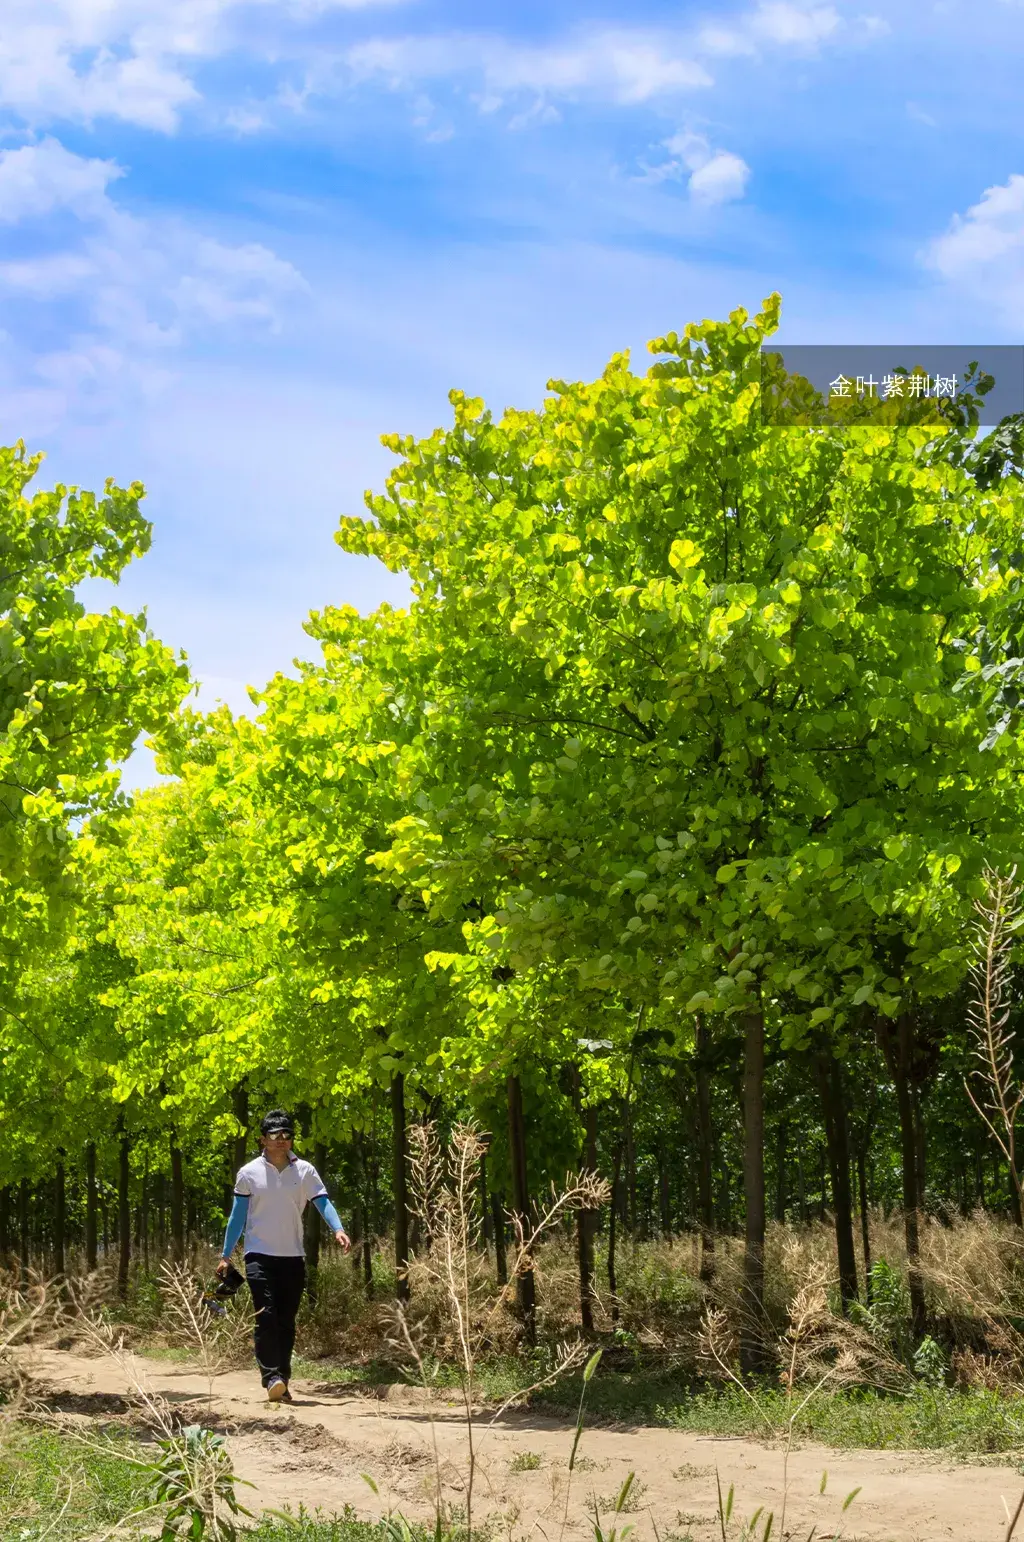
277	1122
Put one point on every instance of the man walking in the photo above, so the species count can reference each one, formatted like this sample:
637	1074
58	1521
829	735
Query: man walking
271	1193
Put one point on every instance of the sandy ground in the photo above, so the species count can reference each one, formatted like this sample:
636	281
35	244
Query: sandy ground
315	1451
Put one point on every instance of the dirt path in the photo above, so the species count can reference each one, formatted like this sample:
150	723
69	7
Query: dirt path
314	1452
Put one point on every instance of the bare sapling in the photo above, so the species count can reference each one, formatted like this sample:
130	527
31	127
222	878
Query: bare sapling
816	1350
997	1092
217	1343
443	1195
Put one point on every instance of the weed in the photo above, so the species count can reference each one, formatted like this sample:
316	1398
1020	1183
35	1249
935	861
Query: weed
51	1486
467	1312
195	1479
525	1461
627	1499
621	1503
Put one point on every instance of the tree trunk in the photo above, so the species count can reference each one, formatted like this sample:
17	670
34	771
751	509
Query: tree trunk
781	1150
240	1109
865	1235
526	1285
367	1262
177	1203
664	1196
752	1332
5	1226
898	1048
585	1225
498	1218
485	1208
400	1184
920	1147
376	1219
705	1153
629	1194
613	1217
23	1230
313	1227
144	1209
833	1105
124	1214
59	1221
90	1207
362	1255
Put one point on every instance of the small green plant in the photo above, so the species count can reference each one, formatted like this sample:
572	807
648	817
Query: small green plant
615	1533
888	1316
634	1497
930	1363
588	1374
761	1526
195	1477
525	1461
687	1470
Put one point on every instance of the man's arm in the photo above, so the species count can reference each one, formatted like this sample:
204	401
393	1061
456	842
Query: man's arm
235	1228
333	1219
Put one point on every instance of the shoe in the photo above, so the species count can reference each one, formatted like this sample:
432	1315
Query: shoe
286	1396
277	1389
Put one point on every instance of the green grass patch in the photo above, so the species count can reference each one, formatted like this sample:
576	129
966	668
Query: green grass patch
525	1461
51	1484
171	1355
962	1423
314	1526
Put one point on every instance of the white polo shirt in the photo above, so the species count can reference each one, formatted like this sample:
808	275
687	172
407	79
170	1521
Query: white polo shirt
276	1202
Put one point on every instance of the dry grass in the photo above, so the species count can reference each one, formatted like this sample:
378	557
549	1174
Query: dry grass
973	1271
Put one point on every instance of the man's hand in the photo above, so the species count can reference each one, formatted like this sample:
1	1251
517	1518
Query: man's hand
343	1239
223	1265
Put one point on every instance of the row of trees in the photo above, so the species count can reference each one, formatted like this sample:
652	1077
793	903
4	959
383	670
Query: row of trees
647	836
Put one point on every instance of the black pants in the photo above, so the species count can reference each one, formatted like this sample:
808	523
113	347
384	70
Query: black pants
277	1285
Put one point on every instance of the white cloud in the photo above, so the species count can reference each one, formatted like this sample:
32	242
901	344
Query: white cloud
720	180
36	179
712	176
75	68
138	60
783	23
228	283
131	290
83	60
780	21
982	252
627	67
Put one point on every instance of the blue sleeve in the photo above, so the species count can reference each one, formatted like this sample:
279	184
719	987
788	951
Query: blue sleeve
236	1223
327	1210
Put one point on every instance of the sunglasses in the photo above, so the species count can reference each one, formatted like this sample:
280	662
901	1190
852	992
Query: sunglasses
279	1135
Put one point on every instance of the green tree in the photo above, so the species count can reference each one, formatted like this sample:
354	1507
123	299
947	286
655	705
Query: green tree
76	687
695	729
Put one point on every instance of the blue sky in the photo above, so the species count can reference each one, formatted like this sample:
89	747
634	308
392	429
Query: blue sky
238	241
